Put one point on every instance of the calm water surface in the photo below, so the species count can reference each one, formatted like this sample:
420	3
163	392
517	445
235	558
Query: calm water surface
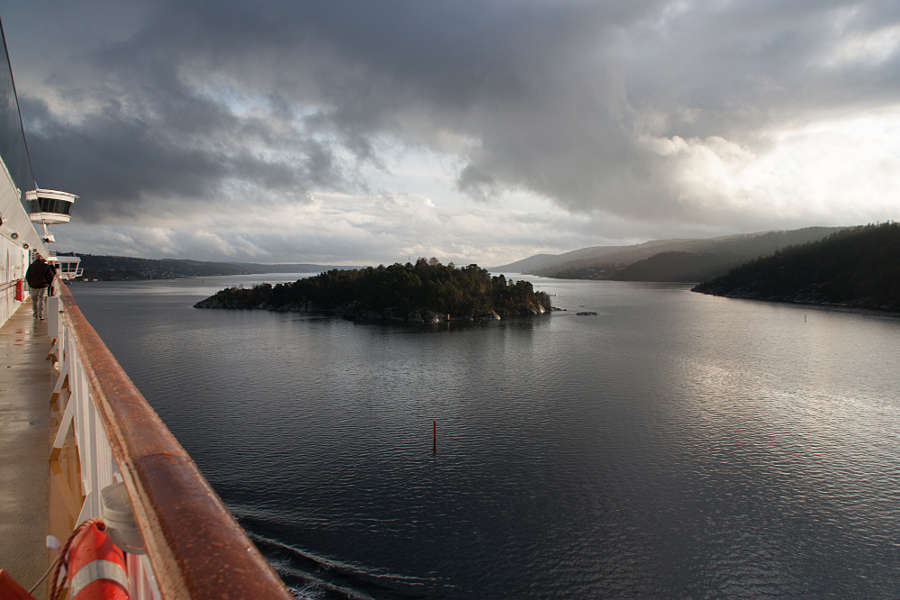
675	445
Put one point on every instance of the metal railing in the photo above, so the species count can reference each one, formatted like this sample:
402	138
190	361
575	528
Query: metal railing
194	547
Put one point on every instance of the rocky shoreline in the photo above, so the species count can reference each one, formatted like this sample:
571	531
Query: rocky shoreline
352	312
803	299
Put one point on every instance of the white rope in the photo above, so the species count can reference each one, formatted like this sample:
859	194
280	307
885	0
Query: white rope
44	576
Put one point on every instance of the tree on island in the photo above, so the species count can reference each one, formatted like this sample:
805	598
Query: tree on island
425	291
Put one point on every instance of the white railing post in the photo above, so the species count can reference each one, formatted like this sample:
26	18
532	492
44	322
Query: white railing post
171	499
141	575
98	467
53	318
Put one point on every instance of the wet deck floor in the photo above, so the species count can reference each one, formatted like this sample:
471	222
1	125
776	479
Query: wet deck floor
25	386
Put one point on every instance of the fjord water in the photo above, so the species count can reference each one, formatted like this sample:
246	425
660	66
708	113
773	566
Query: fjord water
674	445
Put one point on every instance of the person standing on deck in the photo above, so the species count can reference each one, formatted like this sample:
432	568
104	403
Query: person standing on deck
39	277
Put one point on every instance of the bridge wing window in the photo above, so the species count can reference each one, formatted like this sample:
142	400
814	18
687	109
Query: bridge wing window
52	205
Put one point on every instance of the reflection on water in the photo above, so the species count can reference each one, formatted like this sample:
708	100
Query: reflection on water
674	445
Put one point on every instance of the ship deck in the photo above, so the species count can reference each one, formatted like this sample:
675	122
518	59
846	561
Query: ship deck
25	386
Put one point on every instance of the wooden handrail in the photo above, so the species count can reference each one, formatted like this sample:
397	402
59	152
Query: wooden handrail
197	549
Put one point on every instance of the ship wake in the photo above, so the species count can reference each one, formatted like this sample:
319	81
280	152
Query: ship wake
314	577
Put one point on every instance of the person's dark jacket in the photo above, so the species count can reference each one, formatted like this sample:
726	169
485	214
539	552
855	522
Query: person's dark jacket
39	274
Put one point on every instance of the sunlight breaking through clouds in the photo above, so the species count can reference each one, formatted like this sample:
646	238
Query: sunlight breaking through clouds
486	131
846	166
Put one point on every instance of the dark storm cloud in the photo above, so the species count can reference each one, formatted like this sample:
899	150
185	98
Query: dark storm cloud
115	161
118	163
555	97
150	134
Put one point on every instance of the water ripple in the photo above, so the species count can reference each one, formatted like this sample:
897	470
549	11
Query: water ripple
676	445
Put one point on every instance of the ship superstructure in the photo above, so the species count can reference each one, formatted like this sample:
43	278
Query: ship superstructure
49	207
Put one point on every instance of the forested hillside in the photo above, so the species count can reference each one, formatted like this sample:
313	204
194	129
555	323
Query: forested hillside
857	267
678	266
665	260
125	268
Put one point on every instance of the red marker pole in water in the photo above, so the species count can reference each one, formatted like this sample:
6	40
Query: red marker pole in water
434	437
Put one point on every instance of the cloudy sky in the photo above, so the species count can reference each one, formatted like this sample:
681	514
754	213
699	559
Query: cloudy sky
484	131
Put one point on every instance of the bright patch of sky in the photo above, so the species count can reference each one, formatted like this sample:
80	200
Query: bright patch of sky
865	49
474	132
837	170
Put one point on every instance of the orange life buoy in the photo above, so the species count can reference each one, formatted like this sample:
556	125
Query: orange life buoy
96	566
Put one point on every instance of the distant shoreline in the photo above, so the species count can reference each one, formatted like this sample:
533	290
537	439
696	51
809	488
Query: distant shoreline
127	268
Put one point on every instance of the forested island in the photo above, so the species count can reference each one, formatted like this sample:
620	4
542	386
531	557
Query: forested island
856	268
424	292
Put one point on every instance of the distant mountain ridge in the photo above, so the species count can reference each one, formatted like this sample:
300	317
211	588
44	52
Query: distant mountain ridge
684	260
123	268
857	268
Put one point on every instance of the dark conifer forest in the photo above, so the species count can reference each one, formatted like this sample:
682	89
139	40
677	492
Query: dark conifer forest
858	267
425	291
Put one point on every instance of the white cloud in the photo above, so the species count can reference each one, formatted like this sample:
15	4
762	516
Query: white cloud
841	170
868	48
322	132
844	169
